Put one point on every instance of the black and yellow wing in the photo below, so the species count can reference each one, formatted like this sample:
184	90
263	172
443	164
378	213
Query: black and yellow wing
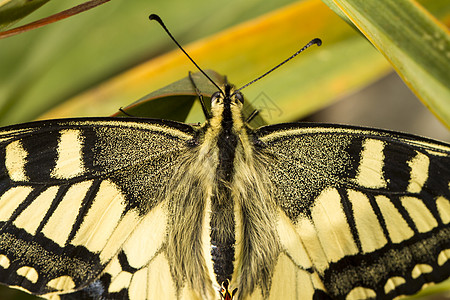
75	195
363	213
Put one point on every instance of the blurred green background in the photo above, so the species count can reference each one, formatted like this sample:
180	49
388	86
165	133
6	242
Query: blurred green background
46	67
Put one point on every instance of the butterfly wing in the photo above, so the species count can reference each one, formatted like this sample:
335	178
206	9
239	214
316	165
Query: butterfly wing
363	213
72	192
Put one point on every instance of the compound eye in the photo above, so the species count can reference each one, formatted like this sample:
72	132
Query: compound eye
239	97
216	96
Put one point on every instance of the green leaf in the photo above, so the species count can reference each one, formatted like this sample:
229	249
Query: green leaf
12	11
415	43
175	101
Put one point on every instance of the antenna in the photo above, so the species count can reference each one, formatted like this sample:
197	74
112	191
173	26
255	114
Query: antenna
158	19
316	41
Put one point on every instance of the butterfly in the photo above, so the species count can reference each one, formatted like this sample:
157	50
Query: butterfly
134	208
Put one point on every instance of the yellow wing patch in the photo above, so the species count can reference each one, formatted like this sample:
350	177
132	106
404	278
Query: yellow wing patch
421	269
160	282
62	283
29	273
142	245
392	283
32	216
11	199
359	293
443	257
396	226
370	171
119	235
369	230
290	282
443	206
59	226
101	219
332	228
4	261
121	281
308	233
419	172
420	214
292	242
15	161
69	163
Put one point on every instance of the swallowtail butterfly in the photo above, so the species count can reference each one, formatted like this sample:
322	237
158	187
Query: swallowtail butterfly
132	208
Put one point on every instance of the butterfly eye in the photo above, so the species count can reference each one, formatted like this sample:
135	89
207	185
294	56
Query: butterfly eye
239	97
216	96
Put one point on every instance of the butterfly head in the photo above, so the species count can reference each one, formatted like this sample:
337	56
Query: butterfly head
226	99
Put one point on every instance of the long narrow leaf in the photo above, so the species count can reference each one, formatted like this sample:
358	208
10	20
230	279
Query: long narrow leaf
11	11
416	44
53	18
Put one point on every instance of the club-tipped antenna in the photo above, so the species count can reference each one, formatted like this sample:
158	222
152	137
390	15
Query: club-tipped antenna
315	41
158	19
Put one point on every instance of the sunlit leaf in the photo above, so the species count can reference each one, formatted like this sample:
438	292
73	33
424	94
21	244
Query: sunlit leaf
174	102
53	18
416	44
11	11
